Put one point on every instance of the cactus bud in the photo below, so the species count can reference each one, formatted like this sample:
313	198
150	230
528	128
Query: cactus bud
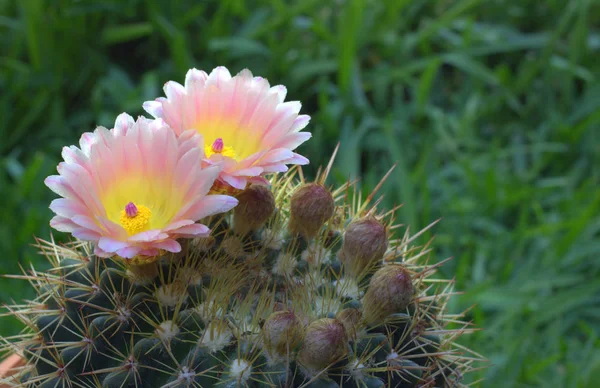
390	291
142	275
233	247
256	205
350	318
311	206
282	333
325	342
365	243
203	244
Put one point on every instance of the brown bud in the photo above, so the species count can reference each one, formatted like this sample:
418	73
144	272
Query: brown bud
282	333
143	275
203	244
311	206
365	243
325	342
234	247
256	205
350	318
390	291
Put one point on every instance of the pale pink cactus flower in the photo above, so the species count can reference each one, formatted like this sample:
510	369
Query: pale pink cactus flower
248	128
135	189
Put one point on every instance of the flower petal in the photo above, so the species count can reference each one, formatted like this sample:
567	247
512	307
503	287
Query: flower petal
155	108
108	244
210	205
129	252
168	245
191	231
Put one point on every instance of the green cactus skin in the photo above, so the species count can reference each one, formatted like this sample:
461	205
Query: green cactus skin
216	314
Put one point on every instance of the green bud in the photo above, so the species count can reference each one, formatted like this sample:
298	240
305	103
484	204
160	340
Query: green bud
311	206
256	205
365	243
282	334
350	318
390	291
325	342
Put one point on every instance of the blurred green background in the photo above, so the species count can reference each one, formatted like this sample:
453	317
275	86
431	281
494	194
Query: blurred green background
491	108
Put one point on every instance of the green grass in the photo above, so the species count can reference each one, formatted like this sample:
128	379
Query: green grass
491	110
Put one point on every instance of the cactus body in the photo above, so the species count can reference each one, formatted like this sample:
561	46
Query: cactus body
266	304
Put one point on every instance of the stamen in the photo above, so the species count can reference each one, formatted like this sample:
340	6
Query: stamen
135	218
131	210
218	145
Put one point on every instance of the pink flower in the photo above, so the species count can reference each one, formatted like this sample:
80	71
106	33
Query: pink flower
248	128
135	189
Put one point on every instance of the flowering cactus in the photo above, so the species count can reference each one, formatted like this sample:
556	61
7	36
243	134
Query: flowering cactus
299	285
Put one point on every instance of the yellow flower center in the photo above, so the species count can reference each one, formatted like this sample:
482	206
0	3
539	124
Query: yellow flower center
135	218
218	147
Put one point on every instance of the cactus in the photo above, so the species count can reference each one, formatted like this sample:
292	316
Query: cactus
300	285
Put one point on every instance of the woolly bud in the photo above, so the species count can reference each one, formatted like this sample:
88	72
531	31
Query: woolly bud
390	291
282	333
142	275
216	337
256	205
350	318
240	371
166	331
325	343
234	247
365	243
203	244
171	295
311	206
